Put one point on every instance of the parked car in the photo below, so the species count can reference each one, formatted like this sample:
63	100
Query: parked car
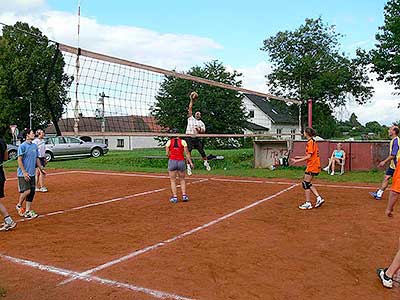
12	151
65	146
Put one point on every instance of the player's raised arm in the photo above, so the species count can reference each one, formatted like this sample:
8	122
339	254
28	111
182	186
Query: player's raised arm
193	98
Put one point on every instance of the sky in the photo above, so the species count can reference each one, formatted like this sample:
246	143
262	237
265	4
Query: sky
178	34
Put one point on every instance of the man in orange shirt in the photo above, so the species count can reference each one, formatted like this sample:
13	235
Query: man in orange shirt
386	274
313	169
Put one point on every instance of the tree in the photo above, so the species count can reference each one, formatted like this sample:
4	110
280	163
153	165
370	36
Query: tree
354	120
222	109
307	64
374	127
386	56
31	70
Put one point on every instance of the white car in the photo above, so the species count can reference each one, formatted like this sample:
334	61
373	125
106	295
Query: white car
66	146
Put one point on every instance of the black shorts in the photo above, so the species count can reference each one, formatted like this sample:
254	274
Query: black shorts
194	143
2	183
43	161
311	173
390	172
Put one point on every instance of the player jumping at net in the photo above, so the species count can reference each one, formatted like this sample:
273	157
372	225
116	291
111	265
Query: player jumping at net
312	170
195	126
386	274
176	149
8	221
394	155
27	161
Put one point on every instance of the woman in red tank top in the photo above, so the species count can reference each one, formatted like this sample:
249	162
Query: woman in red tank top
176	148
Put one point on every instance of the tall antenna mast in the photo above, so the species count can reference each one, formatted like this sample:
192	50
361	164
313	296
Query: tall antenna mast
77	66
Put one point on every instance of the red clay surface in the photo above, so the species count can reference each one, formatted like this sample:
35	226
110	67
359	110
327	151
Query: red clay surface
270	251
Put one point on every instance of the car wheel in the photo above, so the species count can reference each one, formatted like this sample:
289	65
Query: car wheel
12	154
49	156
96	152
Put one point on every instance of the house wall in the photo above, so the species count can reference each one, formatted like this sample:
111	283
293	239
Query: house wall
129	142
260	118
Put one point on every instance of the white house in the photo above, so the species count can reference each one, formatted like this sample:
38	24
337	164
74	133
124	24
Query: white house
264	118
118	132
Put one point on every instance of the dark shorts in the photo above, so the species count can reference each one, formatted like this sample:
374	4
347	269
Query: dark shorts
311	173
26	185
194	143
390	172
43	161
2	183
176	165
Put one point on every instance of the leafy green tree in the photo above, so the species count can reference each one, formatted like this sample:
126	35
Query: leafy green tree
386	56
31	70
307	64
374	127
222	109
354	120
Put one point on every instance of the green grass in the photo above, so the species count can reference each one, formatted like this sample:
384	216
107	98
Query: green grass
236	163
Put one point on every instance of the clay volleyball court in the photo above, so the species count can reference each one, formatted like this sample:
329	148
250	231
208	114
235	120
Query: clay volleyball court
107	235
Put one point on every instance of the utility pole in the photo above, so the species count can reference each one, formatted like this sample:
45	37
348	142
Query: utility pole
102	112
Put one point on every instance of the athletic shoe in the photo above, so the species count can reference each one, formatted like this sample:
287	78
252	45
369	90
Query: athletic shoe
306	205
189	170
43	189
37	189
208	168
319	203
20	210
173	199
326	169
6	227
375	195
185	198
333	173
30	214
385	280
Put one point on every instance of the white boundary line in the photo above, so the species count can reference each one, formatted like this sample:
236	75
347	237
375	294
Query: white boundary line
224	179
107	201
49	174
178	237
68	273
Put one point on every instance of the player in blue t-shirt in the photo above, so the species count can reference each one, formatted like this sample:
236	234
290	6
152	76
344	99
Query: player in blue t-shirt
27	161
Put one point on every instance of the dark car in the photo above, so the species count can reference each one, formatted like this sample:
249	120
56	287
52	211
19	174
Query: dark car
66	146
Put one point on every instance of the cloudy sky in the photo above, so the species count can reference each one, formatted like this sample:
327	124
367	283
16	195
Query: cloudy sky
179	34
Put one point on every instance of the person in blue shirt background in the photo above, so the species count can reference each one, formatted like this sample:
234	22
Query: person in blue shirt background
27	161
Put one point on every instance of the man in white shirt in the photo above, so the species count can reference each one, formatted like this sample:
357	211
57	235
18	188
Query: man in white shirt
40	142
195	126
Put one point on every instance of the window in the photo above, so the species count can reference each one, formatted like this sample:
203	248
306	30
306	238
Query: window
59	140
293	132
72	140
120	143
278	133
251	113
106	142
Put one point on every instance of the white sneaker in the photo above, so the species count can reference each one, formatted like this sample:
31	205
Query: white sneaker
43	189
188	170
306	205
7	226
386	280
326	169
30	214
37	189
333	173
320	201
208	168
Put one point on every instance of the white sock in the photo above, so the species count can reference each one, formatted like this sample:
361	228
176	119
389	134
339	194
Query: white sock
379	193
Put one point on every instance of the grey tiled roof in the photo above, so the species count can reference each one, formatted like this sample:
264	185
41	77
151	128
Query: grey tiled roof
277	116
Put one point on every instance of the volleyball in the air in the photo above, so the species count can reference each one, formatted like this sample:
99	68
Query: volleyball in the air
194	96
